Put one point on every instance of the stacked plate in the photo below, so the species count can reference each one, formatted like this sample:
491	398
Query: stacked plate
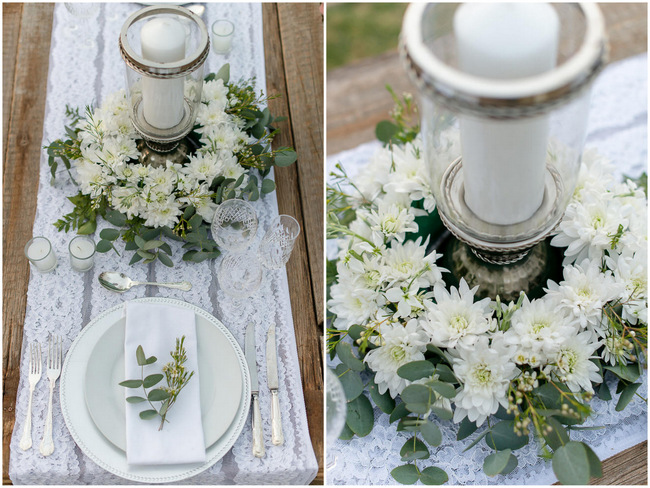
93	403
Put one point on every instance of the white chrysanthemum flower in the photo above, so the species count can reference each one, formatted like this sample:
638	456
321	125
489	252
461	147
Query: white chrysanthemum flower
160	180
128	200
572	363
595	176
209	116
588	227
408	174
390	222
351	301
92	177
409	302
230	168
456	317
202	167
617	350
484	372
369	271
215	92
399	344
406	262
537	330
162	210
631	272
584	292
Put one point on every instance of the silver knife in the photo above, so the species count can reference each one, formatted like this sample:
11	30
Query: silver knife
258	438
277	437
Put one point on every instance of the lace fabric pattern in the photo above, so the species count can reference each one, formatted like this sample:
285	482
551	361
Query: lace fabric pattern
617	129
63	301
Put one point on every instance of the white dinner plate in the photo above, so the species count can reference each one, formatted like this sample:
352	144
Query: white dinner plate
220	383
96	354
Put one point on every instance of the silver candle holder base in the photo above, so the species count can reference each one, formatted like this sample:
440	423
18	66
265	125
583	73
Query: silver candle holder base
157	154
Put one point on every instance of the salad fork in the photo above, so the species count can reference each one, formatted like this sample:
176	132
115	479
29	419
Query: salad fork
54	359
34	377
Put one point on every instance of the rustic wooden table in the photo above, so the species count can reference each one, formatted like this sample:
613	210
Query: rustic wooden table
293	35
357	100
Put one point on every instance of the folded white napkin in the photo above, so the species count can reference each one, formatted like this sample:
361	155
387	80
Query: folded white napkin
155	327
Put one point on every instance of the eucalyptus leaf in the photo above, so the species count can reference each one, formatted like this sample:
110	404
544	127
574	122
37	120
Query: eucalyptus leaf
571	464
145	254
466	428
351	381
268	185
445	374
407	474
558	436
400	411
627	372
285	157
510	467
626	396
347	357
190	210
224	74
433	475
148	414
152	379
140	357
416	370
152	245
385	402
346	434
165	260
150	234
131	383
158	395
386	130
140	242
87	228
103	246
135	258
135	399
431	433
360	417
442	413
151	360
496	462
595	466
502	436
419	408
416	394
109	234
444	389
502	414
131	246
413	449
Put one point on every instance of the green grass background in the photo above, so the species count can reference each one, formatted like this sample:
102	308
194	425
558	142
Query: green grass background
360	30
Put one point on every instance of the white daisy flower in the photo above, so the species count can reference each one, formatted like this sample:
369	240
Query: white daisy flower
631	272
406	262
351	301
399	344
456	317
484	372
390	222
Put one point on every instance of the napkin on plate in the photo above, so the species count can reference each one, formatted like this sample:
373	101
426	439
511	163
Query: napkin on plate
155	327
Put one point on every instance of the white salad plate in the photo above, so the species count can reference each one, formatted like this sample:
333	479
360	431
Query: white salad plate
93	404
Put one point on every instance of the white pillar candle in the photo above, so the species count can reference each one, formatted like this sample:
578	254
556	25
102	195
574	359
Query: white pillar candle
82	253
504	162
163	41
40	253
223	32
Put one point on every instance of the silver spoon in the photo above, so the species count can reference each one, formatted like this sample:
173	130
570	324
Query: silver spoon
119	282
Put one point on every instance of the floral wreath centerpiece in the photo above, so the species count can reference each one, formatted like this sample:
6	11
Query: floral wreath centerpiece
530	366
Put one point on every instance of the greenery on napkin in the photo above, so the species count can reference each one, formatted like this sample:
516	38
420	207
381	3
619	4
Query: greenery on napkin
174	372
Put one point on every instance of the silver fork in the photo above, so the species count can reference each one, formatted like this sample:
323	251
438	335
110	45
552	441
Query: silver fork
34	375
54	359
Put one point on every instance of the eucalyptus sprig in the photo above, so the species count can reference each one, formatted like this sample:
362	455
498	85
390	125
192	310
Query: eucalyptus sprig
174	372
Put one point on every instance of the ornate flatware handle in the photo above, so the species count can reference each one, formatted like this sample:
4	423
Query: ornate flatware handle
26	439
179	285
258	438
277	437
47	444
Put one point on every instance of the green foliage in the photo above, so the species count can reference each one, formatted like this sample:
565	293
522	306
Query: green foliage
360	418
571	464
407	474
174	372
502	436
495	463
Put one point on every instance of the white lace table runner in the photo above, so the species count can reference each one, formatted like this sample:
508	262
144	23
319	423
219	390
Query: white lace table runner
64	301
617	129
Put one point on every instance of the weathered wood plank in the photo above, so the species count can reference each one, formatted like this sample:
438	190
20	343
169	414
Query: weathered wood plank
289	191
11	13
20	184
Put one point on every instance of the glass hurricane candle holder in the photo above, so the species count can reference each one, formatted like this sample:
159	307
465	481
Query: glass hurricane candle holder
505	92
82	253
40	253
164	48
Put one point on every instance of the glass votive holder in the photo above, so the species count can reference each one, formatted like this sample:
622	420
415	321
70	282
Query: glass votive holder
222	33
234	225
40	253
239	275
277	244
82	253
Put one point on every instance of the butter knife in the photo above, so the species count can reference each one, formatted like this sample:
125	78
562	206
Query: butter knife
277	437
258	438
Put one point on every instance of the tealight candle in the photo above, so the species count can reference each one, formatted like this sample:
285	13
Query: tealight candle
223	31
40	253
163	41
82	253
504	162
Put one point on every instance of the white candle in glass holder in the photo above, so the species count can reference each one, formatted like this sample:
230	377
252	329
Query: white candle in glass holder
40	253
222	33
163	41
82	253
504	162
